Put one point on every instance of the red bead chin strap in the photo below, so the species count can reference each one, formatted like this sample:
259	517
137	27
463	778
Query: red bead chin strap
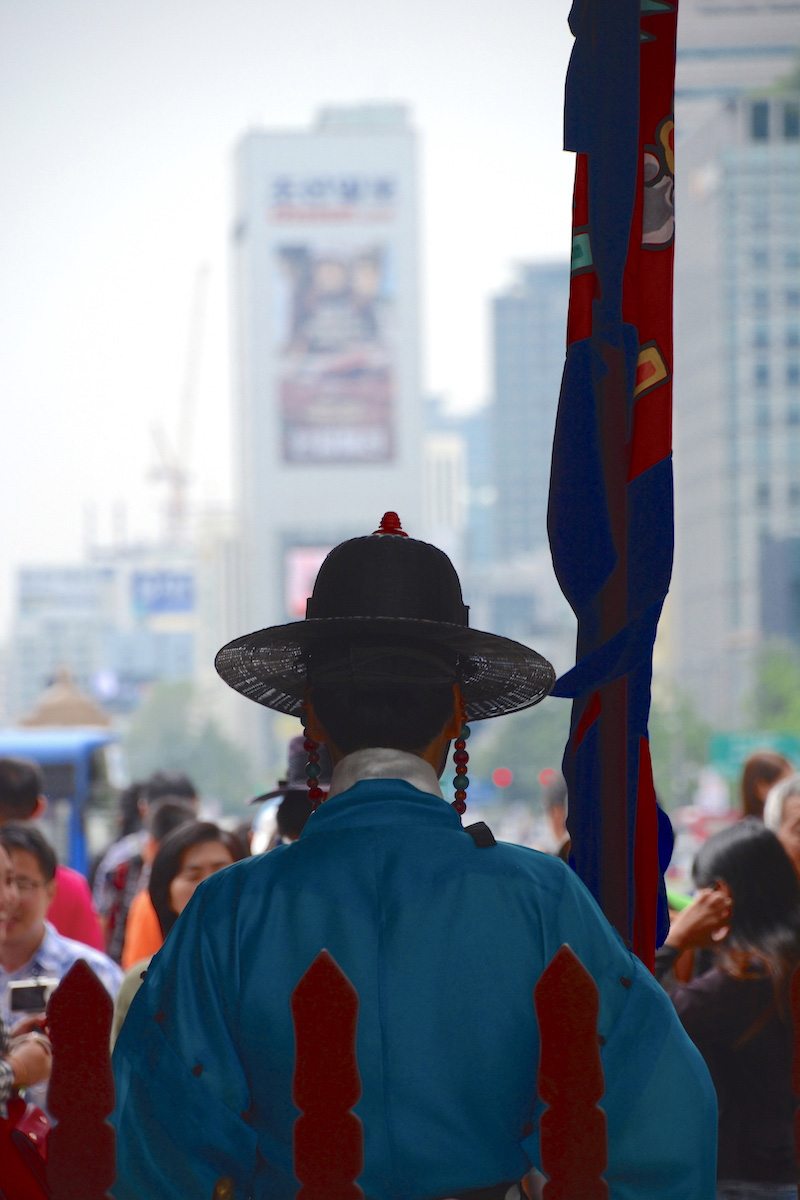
315	792
461	758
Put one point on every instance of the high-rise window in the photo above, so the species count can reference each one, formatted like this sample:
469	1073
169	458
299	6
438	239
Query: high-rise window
759	121
791	121
761	375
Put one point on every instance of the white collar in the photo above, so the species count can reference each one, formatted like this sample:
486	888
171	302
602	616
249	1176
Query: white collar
382	763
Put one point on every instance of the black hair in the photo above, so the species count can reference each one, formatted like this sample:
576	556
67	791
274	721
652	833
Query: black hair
765	910
21	784
293	811
400	717
167	862
130	814
396	694
763	766
27	837
167	814
169	783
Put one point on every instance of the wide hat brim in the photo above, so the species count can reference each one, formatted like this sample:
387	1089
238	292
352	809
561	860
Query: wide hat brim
496	675
284	791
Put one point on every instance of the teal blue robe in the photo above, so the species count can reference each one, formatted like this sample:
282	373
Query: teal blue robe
444	943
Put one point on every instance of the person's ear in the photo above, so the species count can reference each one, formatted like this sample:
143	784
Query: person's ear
39	808
311	722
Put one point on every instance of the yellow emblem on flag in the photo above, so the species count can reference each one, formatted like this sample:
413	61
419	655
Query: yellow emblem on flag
650	369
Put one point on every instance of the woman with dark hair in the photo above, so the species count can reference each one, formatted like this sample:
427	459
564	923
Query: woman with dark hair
761	770
186	856
738	1013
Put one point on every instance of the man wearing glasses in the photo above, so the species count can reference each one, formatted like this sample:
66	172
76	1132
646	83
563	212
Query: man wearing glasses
32	949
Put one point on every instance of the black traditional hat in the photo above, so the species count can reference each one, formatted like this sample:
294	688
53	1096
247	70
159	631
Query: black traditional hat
388	590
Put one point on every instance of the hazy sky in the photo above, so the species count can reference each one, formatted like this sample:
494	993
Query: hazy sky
117	123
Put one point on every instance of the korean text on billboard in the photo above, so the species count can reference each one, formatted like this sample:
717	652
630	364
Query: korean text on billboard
155	592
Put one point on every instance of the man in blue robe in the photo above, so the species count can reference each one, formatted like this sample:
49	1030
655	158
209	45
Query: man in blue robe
443	939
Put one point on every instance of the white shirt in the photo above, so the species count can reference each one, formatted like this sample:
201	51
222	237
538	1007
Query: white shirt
382	763
52	958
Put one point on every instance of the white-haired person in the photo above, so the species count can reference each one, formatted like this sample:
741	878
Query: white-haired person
782	815
443	938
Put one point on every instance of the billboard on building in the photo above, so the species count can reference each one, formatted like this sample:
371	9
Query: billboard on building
154	593
332	197
334	317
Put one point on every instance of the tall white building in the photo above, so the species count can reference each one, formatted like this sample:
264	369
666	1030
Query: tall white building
737	396
330	422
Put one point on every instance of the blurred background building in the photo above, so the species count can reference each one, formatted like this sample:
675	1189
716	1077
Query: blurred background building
727	48
496	463
529	321
331	428
737	349
124	619
446	474
118	622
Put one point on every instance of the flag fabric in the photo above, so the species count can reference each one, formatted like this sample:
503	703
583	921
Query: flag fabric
610	516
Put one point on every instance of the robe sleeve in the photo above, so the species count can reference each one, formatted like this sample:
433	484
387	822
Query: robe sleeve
659	1101
178	1074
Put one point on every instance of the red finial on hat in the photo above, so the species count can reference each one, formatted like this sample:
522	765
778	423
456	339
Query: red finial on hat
390	523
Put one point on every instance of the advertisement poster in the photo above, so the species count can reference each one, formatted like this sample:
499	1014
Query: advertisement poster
336	381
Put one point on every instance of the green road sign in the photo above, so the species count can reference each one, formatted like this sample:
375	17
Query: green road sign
728	751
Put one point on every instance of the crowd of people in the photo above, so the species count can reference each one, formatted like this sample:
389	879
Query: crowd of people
50	916
435	930
726	963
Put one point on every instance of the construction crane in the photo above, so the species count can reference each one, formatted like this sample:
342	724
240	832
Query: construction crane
173	454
